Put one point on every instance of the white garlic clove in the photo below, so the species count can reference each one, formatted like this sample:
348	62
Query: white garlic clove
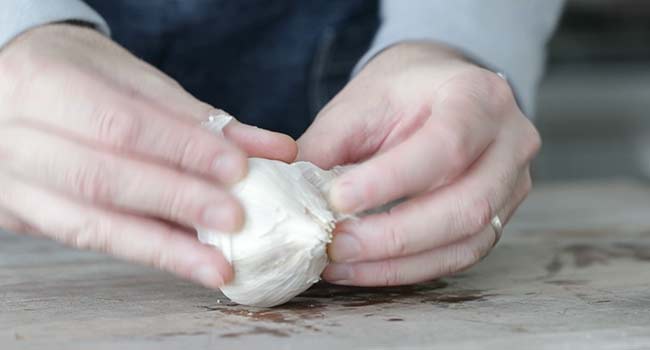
282	249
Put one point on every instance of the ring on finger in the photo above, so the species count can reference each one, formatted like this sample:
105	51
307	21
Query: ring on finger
497	227
217	120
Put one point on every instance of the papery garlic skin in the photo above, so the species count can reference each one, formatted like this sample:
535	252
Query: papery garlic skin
282	249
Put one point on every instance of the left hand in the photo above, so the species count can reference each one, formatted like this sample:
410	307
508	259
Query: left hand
425	124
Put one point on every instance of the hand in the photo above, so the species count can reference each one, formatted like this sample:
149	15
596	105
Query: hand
427	125
102	151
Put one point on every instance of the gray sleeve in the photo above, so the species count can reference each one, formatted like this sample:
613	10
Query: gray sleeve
17	16
507	36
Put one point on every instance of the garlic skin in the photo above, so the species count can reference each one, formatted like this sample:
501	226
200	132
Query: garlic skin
282	248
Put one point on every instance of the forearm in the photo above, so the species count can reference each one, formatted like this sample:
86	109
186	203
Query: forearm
18	16
502	35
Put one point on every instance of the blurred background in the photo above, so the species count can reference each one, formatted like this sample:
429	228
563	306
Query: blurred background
593	104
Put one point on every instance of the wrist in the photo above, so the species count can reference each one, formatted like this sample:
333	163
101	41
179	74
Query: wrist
407	54
58	29
424	50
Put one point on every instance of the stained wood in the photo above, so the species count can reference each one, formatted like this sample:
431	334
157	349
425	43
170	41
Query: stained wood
573	271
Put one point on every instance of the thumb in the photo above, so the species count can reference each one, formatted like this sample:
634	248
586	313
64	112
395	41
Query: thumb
341	134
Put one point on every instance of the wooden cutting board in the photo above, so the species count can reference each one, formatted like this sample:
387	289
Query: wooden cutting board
573	271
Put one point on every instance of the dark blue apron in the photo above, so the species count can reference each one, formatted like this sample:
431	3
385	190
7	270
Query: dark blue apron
271	63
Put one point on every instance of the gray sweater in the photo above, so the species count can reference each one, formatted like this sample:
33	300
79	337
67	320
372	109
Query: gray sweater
507	36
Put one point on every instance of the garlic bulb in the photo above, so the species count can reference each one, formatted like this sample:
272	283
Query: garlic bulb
282	249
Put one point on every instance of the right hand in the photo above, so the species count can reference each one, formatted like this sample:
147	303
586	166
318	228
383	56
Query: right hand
100	150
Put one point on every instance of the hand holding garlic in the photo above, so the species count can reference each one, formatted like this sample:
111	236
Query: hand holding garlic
282	248
102	151
426	124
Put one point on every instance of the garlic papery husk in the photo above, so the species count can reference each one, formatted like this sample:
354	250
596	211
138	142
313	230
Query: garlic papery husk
282	248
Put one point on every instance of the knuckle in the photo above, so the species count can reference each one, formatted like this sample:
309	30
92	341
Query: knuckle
475	86
456	219
448	264
95	235
461	257
163	259
173	203
371	188
116	128
473	254
389	274
456	96
522	191
478	215
533	142
157	258
91	181
395	244
189	150
452	139
92	233
498	89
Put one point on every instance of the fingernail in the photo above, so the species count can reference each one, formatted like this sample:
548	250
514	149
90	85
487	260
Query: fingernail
344	248
339	273
229	168
222	217
208	276
345	197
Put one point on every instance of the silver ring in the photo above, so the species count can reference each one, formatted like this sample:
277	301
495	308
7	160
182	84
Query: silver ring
497	226
217	120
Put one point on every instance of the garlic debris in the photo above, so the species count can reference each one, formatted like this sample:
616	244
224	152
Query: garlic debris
282	249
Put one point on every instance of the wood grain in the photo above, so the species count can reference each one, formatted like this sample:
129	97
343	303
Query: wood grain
573	271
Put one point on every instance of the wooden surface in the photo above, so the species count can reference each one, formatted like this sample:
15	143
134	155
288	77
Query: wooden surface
573	271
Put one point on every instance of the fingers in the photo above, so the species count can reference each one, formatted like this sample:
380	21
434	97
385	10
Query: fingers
155	119
453	212
254	141
106	179
428	265
522	189
431	264
443	147
157	88
132	238
169	95
121	120
436	263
